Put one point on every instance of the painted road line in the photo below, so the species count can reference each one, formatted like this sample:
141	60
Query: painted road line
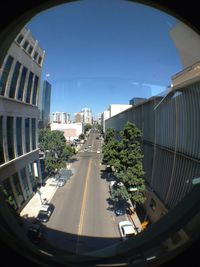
80	227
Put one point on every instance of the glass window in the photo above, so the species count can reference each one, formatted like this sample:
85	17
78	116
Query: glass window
19	136
35	55
25	183
34	133
20	38
18	188
14	80
5	74
21	85
2	160
39	60
8	194
25	45
32	177
30	49
27	134
35	90
10	137
29	87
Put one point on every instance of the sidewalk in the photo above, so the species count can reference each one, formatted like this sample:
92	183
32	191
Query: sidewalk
33	206
136	222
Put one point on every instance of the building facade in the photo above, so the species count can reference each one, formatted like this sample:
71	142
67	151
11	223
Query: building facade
111	111
20	76
70	131
86	115
170	127
44	106
60	117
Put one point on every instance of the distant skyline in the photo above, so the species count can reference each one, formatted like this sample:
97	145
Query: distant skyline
104	52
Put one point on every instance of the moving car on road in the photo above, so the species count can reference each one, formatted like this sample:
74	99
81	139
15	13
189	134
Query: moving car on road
126	229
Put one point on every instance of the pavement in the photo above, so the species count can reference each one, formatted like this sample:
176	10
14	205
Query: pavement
44	194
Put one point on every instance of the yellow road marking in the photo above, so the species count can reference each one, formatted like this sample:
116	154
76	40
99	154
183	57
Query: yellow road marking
80	227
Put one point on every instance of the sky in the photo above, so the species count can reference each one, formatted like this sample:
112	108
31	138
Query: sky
102	52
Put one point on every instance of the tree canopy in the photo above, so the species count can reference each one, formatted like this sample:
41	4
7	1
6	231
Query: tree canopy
126	157
53	144
87	127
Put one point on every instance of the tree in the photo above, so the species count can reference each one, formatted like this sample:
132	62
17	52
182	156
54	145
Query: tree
87	127
81	137
53	144
109	135
126	157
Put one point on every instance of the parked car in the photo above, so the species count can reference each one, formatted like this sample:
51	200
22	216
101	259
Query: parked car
35	233
45	212
61	182
126	229
120	209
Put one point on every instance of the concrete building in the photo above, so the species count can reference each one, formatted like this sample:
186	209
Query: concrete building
78	117
44	106
113	110
20	76
136	100
170	126
61	117
105	115
86	115
71	131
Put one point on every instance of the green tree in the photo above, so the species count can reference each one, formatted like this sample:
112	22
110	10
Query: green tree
99	128
81	137
126	158
109	135
53	144
109	146
87	127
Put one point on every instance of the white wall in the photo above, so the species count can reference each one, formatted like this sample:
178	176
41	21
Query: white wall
70	130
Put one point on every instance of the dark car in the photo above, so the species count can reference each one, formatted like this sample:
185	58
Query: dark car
45	212
120	209
35	233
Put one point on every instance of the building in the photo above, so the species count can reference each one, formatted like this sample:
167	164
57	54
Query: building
44	106
61	117
136	100
170	126
71	131
78	117
20	76
86	115
113	110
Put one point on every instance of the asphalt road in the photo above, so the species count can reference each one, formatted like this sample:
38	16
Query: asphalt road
82	220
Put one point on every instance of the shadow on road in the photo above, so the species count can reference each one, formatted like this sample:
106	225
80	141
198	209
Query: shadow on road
60	243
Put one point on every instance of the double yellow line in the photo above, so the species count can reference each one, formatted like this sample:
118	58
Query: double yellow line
80	227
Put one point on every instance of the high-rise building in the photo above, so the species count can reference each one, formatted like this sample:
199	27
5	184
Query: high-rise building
61	117
86	114
20	76
78	117
45	101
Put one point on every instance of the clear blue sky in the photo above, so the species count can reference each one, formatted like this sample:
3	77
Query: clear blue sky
102	52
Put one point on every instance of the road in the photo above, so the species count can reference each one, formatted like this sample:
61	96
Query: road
82	220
